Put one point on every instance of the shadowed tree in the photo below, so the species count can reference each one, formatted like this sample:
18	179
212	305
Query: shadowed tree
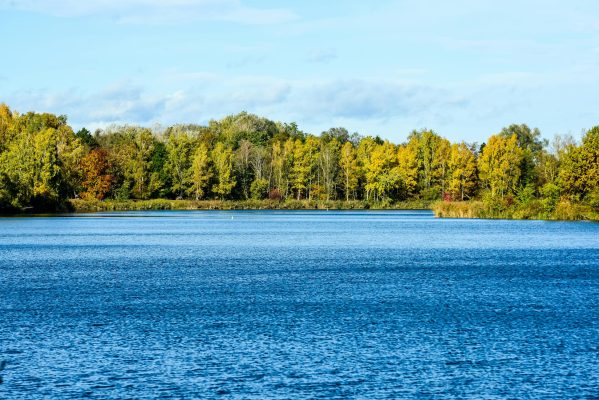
349	169
531	144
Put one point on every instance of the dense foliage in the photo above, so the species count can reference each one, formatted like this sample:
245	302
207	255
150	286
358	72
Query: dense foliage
43	163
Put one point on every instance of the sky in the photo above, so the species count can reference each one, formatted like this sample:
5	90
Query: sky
464	68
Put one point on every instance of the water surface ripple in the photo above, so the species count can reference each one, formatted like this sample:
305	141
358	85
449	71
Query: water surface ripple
260	305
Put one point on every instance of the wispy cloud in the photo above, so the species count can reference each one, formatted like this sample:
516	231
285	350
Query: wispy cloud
321	55
156	11
244	61
119	103
370	99
315	103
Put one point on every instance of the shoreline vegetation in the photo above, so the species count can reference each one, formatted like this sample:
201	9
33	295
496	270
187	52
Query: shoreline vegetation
474	209
563	211
244	161
79	205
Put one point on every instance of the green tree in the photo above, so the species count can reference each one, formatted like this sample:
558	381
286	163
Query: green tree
282	161
328	162
179	149
260	164
259	188
579	167
340	134
244	126
531	145
85	136
141	162
243	162
222	157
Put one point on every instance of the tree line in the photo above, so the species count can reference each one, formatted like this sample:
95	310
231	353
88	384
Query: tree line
43	162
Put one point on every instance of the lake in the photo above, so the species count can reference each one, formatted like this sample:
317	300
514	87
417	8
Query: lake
297	304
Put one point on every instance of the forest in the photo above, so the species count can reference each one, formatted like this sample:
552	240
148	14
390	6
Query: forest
45	165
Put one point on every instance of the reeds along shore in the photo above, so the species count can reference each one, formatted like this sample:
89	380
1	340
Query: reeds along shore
78	205
563	211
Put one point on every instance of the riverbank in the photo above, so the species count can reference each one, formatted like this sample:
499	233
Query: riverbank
78	205
563	211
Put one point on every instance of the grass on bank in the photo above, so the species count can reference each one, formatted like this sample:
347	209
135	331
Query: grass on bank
562	211
79	205
536	209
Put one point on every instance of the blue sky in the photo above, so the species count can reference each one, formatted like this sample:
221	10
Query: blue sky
464	68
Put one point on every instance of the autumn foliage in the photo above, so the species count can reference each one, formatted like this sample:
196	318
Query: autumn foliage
43	162
96	179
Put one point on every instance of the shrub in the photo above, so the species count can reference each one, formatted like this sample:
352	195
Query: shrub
526	194
550	194
593	198
275	194
259	189
431	194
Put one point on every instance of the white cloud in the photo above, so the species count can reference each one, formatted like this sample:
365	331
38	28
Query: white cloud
155	11
119	103
381	106
322	55
306	102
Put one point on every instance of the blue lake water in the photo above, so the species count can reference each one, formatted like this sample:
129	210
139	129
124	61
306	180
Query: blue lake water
248	304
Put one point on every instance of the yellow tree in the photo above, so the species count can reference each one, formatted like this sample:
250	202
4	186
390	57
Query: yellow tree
499	165
462	167
349	169
6	126
364	157
313	155
33	171
46	167
441	163
433	155
200	172
407	167
328	162
222	157
381	174
300	169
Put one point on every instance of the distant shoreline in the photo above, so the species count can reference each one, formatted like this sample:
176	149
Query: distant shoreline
77	205
474	209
